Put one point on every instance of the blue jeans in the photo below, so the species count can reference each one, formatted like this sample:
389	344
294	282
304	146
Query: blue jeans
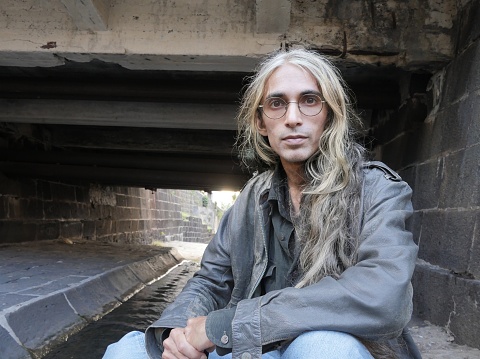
310	345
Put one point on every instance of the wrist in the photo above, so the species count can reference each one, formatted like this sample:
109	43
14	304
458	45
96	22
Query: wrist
218	327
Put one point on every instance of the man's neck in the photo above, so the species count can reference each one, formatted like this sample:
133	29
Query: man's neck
296	182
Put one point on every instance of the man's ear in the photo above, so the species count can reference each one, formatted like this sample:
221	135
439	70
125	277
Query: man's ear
262	130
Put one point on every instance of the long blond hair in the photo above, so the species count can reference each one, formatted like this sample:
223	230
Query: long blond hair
331	197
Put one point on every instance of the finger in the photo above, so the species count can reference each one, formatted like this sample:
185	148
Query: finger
180	347
168	355
170	350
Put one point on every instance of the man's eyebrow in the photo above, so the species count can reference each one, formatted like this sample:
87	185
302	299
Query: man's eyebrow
311	92
275	94
305	92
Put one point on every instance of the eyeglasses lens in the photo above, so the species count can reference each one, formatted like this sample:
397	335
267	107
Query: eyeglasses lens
309	105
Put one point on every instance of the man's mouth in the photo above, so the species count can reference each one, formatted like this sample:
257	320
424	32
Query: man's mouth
294	139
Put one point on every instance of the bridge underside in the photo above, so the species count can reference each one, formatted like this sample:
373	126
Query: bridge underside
111	92
155	129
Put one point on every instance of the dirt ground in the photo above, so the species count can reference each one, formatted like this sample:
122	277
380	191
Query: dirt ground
188	250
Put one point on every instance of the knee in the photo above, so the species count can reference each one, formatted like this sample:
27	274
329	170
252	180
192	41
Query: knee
131	345
328	344
325	337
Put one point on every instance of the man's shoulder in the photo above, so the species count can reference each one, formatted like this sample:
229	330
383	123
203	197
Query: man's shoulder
380	179
259	182
377	168
251	192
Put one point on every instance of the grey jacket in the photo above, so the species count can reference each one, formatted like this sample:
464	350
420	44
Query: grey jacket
371	300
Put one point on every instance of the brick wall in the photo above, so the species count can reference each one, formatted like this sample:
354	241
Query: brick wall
34	209
440	158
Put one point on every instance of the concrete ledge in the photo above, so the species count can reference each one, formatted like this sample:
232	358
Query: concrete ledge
31	328
10	348
43	323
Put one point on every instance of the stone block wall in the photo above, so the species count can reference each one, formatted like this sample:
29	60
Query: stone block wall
185	215
440	158
35	209
446	181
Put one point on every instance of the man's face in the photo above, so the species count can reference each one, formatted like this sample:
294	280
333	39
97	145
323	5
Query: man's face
295	136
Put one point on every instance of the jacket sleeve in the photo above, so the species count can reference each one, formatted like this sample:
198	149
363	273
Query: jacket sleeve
372	299
208	290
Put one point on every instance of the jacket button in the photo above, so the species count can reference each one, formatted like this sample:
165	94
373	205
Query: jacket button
246	356
224	338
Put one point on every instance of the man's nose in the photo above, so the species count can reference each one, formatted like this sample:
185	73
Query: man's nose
293	116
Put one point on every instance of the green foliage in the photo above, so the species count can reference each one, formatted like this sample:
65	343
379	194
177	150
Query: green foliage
205	201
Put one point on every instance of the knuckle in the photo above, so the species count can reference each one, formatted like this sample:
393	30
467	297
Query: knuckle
166	343
175	333
182	347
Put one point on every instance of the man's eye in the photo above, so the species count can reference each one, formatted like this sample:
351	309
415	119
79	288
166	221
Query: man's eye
276	103
310	100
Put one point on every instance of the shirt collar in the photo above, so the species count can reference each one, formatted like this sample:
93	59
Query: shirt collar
279	192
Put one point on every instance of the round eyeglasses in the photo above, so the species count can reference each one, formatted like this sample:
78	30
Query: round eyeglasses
276	107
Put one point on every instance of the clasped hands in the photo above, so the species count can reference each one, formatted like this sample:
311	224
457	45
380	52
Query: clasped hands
189	342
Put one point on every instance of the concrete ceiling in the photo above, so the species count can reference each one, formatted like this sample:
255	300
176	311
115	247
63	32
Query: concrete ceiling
146	93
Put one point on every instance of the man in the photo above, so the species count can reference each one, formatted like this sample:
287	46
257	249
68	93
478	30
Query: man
313	260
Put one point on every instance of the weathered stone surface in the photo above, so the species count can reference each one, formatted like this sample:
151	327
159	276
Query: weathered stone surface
71	230
9	299
134	218
344	28
424	142
219	35
460	180
24	187
272	16
57	210
453	124
17	231
46	320
449	301
88	15
43	190
3	207
429	177
463	75
394	152
62	192
469	26
102	298
474	263
48	230
472	109
9	348
446	238
62	283
389	126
